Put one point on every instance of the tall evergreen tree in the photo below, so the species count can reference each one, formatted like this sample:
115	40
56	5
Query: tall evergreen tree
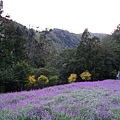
87	53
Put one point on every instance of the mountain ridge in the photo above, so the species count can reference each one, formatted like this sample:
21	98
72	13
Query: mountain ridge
63	39
60	39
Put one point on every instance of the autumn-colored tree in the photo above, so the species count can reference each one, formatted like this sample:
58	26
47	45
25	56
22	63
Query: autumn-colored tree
86	75
32	79
72	78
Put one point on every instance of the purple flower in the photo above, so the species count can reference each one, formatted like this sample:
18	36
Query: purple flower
80	100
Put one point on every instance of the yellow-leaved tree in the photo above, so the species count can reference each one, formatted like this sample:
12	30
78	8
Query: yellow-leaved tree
32	79
86	75
43	80
72	78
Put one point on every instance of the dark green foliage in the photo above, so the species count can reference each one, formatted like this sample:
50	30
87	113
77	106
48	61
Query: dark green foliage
116	36
35	57
99	57
113	74
12	52
66	64
12	42
40	50
87	53
6	75
44	71
53	80
109	55
116	33
22	71
47	51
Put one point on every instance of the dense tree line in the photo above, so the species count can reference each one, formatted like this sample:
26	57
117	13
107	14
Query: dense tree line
100	58
21	55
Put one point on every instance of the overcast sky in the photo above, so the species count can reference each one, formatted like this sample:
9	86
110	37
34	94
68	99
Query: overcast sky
101	16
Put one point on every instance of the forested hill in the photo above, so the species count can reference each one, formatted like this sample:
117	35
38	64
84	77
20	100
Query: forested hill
63	39
59	39
25	52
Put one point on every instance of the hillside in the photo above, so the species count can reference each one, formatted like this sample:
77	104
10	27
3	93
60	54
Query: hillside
63	39
75	101
58	38
43	53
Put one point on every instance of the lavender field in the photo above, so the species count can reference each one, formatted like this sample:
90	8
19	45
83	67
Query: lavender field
76	101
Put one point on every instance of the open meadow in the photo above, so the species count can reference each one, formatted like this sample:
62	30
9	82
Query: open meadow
76	101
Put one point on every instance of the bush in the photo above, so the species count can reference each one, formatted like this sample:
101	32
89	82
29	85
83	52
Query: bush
113	74
43	80
86	75
72	78
32	79
53	80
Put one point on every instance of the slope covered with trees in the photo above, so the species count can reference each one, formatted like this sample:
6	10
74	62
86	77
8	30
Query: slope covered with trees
63	39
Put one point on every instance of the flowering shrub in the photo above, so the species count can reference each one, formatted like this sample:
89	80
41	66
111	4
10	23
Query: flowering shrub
72	78
86	75
43	80
32	79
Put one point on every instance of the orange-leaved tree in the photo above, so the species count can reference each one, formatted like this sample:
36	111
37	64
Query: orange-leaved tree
72	78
